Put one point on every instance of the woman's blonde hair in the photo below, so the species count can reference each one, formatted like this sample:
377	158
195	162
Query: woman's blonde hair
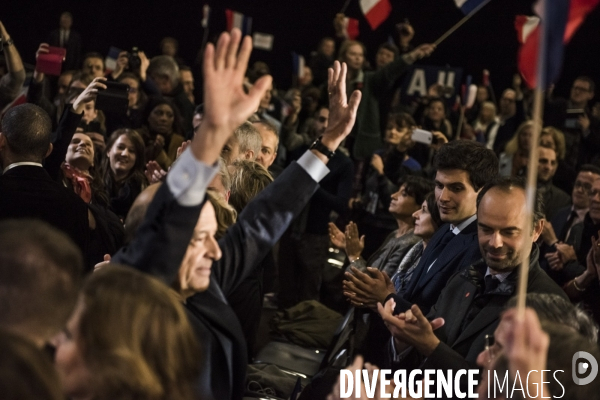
136	338
226	215
513	144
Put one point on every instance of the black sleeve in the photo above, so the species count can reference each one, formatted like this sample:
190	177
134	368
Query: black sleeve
63	135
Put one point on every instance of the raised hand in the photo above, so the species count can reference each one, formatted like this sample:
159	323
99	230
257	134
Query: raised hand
154	173
338	239
122	63
411	328
420	52
89	94
43	49
226	105
354	243
144	64
342	112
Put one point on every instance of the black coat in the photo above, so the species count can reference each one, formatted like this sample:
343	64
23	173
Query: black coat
73	46
161	242
28	191
460	345
424	287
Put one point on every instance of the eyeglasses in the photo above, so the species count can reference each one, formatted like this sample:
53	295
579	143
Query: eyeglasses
586	187
580	89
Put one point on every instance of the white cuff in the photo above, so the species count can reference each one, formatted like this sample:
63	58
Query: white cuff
189	178
313	166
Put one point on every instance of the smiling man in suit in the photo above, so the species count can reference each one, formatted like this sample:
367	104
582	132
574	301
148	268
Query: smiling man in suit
469	307
463	167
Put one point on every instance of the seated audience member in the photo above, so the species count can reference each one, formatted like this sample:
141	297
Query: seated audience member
123	170
561	242
128	337
28	191
163	132
405	202
270	144
245	144
321	60
12	82
26	373
374	287
488	285
435	118
164	72
248	179
40	277
463	168
510	116
513	161
389	166
137	99
204	271
486	125
554	199
528	346
565	174
93	64
187	80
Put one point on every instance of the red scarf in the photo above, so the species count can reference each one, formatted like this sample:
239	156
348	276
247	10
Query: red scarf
80	180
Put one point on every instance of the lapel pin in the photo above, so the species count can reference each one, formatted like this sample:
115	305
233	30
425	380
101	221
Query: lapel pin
468	294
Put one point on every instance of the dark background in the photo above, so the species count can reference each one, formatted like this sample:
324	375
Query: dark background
488	40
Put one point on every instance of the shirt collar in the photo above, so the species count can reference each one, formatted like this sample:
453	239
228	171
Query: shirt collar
580	213
457	228
501	277
18	164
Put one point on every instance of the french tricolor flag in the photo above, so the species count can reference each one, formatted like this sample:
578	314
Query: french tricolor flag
466	6
376	11
558	29
238	20
351	26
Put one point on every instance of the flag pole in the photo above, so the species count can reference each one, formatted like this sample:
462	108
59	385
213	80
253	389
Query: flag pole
532	165
461	22
346	4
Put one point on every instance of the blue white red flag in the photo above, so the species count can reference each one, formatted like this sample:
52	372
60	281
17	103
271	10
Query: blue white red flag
376	11
111	59
238	20
466	6
559	21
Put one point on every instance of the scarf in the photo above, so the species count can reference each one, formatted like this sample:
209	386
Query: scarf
80	180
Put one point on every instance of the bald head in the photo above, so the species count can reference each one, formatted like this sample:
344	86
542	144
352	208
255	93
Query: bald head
25	134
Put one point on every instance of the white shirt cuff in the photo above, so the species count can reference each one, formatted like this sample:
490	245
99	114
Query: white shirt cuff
189	178
313	166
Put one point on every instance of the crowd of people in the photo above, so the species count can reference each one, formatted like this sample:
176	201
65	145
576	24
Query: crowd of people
137	248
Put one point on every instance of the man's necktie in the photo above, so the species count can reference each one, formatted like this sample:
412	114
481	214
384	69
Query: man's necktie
567	227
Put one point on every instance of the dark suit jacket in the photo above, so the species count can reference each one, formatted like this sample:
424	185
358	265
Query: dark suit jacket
424	287
73	58
161	243
460	346
29	192
554	199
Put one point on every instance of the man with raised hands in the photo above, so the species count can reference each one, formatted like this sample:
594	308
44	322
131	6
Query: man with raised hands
176	240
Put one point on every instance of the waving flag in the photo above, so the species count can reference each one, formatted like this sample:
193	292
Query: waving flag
376	11
562	20
351	27
466	6
238	20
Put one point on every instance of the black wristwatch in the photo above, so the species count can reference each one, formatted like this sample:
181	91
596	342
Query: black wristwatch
321	148
6	43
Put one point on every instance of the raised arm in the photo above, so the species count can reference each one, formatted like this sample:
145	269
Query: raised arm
266	218
13	81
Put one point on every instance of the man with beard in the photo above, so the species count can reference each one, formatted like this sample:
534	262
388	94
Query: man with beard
471	303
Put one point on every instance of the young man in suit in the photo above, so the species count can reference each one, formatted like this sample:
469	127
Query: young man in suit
463	167
470	305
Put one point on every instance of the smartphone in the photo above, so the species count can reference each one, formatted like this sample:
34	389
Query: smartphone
572	120
114	98
422	136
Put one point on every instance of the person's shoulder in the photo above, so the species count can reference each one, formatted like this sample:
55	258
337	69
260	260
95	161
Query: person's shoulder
412	164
